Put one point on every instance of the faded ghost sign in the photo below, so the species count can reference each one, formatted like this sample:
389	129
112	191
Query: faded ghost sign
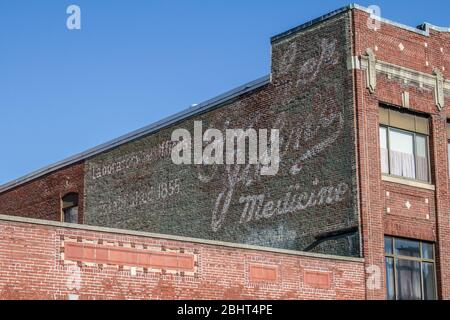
310	204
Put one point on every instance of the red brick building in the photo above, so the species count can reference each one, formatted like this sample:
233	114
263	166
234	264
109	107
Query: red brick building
358	210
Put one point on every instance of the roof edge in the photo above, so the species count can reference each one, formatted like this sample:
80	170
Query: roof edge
208	105
423	29
309	24
428	26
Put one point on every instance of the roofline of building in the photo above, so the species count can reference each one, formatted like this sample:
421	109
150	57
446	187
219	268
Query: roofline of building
423	29
208	105
309	24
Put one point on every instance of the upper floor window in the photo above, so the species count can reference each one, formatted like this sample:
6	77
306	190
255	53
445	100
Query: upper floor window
70	208
404	145
410	269
448	149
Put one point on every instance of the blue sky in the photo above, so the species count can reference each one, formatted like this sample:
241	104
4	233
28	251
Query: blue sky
134	62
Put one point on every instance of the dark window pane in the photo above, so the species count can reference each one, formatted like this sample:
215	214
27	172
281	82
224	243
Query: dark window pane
390	282
71	215
429	281
70	200
407	248
409	282
427	251
388	245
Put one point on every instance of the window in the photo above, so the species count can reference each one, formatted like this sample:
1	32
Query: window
410	270
404	145
70	208
448	146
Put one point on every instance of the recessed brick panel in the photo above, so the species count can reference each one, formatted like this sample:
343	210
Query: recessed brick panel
264	273
317	279
406	204
101	254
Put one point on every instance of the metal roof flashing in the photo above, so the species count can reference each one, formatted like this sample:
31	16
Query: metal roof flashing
309	24
428	26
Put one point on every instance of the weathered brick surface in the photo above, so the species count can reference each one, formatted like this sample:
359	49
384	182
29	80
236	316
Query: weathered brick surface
136	186
41	198
33	266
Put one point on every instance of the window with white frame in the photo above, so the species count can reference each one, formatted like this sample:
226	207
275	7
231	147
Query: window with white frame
404	150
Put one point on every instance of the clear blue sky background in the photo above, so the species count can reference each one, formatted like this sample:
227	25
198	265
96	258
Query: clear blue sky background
135	62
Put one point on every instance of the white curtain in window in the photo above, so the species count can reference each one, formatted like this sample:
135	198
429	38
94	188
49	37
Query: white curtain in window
401	158
384	151
384	161
402	164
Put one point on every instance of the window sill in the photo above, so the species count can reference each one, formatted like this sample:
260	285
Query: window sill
407	182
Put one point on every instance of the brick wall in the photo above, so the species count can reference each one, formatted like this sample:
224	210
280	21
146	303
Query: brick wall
298	88
51	261
136	185
396	209
314	195
41	198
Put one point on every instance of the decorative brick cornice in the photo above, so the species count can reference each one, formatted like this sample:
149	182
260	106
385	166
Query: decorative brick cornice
435	80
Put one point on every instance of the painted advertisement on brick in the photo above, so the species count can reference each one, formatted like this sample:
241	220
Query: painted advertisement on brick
308	205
